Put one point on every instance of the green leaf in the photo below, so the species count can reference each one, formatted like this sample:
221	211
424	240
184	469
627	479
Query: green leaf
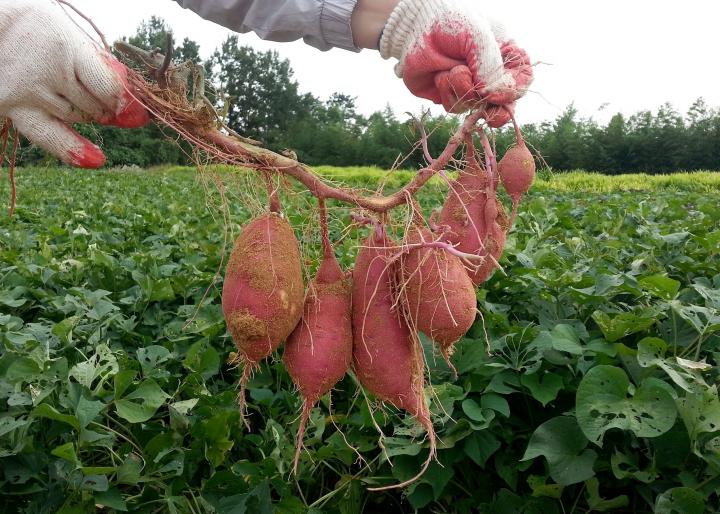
544	386
67	452
141	405
617	326
185	406
651	352
49	412
444	397
162	291
123	380
680	500
112	498
204	359
597	503
95	483
505	382
215	433
540	487
602	403
480	446
8	424
63	329
563	444
473	411
87	411
660	286
13	297
565	339
22	369
626	466
130	471
103	364
496	403
151	357
700	412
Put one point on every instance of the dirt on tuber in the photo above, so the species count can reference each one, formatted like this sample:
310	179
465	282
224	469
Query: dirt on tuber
263	292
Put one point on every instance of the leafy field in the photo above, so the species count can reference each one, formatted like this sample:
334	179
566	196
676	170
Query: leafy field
590	386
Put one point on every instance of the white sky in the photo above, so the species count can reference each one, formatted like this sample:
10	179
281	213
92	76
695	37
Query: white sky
629	54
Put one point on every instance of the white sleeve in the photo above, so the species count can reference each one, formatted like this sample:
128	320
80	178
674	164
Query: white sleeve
324	24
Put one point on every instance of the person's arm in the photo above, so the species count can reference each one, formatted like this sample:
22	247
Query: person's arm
449	51
324	24
53	75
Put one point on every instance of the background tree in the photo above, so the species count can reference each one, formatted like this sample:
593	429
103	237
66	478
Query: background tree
263	97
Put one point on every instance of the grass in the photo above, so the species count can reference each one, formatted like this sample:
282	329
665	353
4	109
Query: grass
575	181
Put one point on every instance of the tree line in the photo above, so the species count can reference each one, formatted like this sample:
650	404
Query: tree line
262	100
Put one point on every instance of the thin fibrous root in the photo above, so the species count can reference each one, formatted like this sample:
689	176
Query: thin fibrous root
447	355
299	444
247	373
431	456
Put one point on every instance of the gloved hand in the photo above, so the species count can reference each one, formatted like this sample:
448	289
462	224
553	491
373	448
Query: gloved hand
53	74
452	54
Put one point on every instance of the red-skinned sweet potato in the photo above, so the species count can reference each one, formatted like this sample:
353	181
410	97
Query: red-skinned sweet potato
263	291
319	351
439	293
517	171
387	357
473	219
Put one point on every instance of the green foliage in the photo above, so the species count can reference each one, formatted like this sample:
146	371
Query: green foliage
114	389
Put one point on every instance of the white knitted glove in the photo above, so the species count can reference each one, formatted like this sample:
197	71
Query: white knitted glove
52	74
452	54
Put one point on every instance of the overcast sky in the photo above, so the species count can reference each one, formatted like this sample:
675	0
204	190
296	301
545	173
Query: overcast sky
625	55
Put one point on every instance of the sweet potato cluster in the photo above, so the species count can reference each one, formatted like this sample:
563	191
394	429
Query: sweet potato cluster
367	320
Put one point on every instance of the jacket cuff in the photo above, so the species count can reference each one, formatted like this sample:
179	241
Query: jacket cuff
335	23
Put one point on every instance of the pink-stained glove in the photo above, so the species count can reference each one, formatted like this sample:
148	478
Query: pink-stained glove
53	74
452	54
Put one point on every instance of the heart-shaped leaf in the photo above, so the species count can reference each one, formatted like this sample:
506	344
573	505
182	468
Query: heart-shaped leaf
602	403
563	444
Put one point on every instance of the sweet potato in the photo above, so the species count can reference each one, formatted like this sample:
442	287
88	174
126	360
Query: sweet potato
493	245
473	219
517	171
439	293
387	357
263	291
319	351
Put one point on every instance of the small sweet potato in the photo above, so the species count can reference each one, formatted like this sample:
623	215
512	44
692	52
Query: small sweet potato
517	171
